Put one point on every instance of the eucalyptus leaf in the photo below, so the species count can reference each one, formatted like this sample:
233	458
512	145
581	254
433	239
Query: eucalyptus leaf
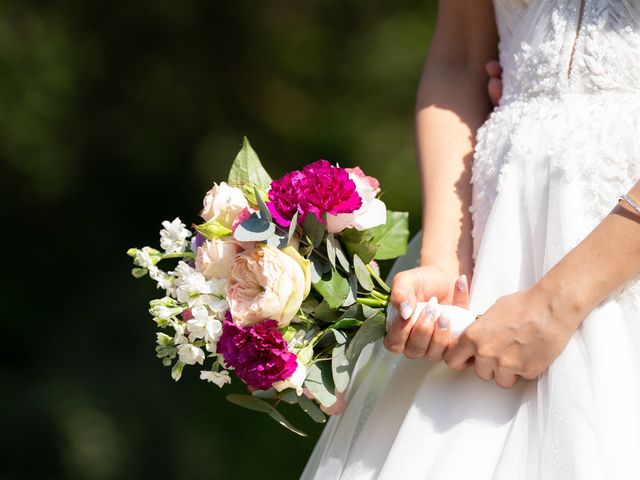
320	383
360	243
249	402
247	169
325	313
264	394
371	330
342	258
333	287
331	250
262	207
277	241
353	292
362	274
340	363
290	397
313	229
311	409
292	228
319	267
254	229
278	417
392	237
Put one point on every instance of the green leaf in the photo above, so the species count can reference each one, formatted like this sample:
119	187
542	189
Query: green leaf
313	229
320	383
340	363
247	169
331	249
319	267
311	409
325	313
290	396
278	417
360	243
249	402
362	274
333	287
254	229
347	323
392	237
212	230
371	330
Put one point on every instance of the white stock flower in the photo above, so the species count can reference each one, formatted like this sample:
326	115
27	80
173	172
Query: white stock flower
179	338
190	354
173	237
219	378
204	326
372	212
195	290
223	204
165	281
294	381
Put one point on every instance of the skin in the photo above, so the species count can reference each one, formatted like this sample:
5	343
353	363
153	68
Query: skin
523	332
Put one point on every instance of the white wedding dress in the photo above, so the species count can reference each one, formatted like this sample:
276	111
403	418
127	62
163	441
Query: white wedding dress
549	165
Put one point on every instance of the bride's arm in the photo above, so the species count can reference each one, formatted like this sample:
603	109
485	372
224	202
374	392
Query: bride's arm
452	103
522	333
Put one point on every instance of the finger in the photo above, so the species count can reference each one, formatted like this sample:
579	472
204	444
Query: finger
460	353
506	379
461	292
484	368
440	339
493	68
396	338
403	296
494	89
420	336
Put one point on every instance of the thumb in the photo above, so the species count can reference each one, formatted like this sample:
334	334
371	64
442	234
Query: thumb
461	292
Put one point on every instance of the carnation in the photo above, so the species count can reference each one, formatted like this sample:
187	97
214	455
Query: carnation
319	188
258	354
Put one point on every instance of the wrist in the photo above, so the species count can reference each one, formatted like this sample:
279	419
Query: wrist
564	299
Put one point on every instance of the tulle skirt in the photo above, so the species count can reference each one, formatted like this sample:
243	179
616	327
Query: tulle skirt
545	173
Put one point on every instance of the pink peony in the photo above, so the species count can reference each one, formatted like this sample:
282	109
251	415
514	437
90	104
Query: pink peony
258	353
318	188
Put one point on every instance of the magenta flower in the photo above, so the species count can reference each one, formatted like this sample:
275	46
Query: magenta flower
318	188
258	353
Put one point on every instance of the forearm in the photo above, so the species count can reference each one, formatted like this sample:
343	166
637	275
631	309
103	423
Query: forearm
452	104
605	260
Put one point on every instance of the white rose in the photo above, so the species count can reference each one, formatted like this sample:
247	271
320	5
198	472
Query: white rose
372	212
294	381
215	257
223	204
268	283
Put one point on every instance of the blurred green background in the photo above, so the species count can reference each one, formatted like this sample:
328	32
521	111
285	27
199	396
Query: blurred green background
116	115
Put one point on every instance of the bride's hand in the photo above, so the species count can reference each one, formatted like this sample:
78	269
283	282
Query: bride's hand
419	335
519	336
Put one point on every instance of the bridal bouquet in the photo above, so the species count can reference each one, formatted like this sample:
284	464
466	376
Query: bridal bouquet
278	285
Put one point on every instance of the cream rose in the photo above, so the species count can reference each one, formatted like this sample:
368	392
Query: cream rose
371	213
267	283
223	204
215	257
296	380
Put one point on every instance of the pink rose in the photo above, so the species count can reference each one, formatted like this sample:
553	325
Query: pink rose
267	283
371	213
215	257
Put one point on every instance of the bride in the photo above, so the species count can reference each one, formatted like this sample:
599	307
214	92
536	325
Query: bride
545	384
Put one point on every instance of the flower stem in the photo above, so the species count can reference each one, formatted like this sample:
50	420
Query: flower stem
177	255
377	278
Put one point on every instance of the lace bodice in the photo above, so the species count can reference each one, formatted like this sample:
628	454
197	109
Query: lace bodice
550	47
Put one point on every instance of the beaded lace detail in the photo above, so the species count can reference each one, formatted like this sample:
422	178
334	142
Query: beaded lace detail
575	63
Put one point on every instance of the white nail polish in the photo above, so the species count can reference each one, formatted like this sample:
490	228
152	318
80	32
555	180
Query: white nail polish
405	310
461	282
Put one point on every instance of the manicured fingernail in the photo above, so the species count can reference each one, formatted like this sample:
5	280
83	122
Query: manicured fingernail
432	308
443	323
462	282
405	310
